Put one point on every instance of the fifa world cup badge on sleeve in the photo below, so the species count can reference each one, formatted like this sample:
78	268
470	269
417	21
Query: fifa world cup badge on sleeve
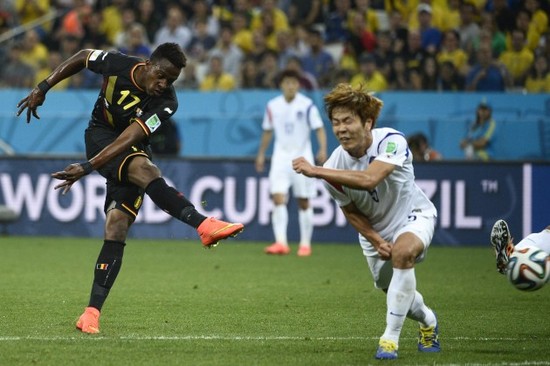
391	148
153	123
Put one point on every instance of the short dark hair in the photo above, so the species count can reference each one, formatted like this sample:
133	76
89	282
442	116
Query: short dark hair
171	52
288	73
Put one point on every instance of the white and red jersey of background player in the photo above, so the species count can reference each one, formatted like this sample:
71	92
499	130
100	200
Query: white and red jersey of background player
291	123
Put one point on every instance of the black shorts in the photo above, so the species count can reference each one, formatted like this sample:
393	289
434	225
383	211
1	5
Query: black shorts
121	194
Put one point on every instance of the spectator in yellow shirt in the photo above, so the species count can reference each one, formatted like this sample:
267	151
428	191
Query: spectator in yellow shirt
450	51
242	36
112	19
519	59
538	78
371	19
369	75
30	10
216	78
529	28
280	20
34	53
539	18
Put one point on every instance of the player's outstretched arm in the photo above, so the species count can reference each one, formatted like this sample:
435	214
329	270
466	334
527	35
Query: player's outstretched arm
130	136
362	224
37	96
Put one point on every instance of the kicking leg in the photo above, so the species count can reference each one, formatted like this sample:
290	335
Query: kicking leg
145	174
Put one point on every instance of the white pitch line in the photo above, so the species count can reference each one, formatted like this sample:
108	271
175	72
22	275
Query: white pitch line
238	338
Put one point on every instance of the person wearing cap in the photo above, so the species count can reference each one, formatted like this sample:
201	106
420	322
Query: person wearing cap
437	13
430	35
479	141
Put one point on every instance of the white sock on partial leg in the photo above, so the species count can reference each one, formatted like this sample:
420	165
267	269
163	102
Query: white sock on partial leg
279	221
420	312
399	299
305	218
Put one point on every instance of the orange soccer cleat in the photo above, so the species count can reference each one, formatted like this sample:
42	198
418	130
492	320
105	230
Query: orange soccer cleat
304	251
89	321
277	248
212	230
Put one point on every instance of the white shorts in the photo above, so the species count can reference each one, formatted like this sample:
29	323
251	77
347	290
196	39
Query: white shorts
422	226
282	177
540	240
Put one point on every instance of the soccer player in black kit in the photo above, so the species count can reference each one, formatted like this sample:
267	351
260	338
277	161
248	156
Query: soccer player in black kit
137	96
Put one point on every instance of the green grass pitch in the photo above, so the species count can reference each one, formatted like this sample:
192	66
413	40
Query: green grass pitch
175	303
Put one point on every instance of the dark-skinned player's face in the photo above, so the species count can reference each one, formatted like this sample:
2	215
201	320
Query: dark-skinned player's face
160	75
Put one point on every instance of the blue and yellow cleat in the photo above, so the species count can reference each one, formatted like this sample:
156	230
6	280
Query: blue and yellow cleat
428	339
387	350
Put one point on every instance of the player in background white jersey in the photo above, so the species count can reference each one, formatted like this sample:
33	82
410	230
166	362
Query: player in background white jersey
290	118
503	244
371	177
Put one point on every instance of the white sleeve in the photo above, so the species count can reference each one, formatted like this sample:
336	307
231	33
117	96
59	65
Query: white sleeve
267	123
314	117
393	149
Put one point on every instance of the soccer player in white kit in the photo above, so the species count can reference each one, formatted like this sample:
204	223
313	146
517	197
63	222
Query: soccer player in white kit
371	177
503	244
291	117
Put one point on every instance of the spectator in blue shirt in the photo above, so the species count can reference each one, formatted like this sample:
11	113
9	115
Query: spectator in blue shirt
317	61
486	74
431	36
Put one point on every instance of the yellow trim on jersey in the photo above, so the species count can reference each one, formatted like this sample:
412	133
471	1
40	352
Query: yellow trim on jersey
129	209
139	153
88	57
132	75
109	90
143	126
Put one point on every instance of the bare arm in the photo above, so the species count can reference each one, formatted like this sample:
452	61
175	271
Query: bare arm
264	144
322	141
130	136
37	96
362	224
364	180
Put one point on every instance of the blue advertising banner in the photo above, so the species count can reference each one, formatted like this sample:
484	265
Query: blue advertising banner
228	124
469	198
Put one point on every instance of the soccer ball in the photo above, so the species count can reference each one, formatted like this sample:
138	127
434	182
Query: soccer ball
528	268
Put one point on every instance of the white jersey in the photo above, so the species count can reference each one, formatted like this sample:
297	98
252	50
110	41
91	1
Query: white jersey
390	204
291	123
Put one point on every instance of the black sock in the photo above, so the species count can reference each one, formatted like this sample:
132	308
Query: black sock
106	270
173	202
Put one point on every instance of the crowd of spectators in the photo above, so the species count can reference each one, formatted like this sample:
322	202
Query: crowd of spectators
438	45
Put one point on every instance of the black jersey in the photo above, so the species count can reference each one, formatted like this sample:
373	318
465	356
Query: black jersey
121	101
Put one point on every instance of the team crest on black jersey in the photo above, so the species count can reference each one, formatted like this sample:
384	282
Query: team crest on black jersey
139	112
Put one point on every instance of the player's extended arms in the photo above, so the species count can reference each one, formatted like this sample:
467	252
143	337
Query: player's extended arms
130	136
366	180
37	96
69	67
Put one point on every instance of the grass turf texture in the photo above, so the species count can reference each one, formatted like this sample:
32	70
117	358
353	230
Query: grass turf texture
175	303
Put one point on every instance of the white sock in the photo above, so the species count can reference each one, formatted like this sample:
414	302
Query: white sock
305	218
279	221
399	299
420	312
